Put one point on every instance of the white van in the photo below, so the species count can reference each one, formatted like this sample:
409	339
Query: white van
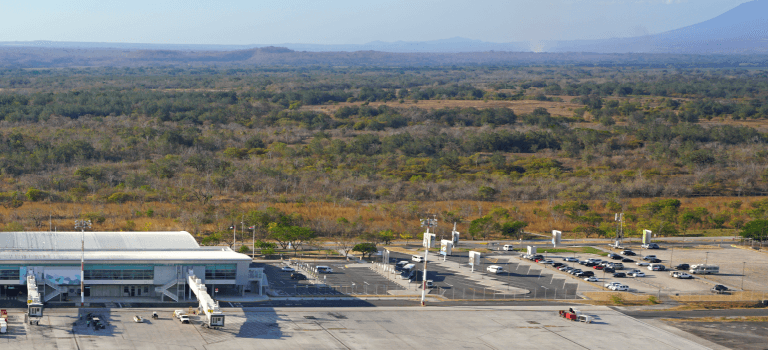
704	269
324	269
417	258
508	247
495	269
3	325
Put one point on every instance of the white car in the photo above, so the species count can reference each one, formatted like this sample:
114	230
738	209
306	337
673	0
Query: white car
550	262
591	279
619	287
288	269
681	275
417	258
508	247
571	259
609	285
642	263
495	269
637	274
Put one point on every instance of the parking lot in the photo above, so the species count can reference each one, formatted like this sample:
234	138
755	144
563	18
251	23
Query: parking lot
516	281
346	279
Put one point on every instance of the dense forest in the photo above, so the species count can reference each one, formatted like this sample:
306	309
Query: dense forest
208	147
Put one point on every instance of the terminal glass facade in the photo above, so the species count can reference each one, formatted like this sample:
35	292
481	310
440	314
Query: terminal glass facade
221	272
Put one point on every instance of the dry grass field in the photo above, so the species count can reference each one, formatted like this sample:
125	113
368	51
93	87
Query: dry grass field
519	107
397	216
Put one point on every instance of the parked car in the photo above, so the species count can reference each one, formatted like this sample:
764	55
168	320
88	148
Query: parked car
614	256
558	264
508	247
400	264
650	246
682	267
288	269
598	267
548	262
618	266
585	274
637	274
627	260
719	289
656	267
591	264
571	259
417	258
680	275
566	268
298	276
654	261
609	269
583	262
574	271
642	263
608	285
591	279
628	253
619	288
324	269
619	275
649	257
595	260
495	269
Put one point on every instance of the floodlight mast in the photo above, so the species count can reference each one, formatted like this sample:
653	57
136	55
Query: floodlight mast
82	225
428	223
619	218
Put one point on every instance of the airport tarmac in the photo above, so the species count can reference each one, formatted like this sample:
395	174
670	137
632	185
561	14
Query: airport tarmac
477	327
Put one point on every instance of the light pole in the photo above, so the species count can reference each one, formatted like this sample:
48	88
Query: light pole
706	259
82	225
545	291
743	266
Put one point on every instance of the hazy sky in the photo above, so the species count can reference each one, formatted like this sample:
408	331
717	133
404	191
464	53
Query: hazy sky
344	21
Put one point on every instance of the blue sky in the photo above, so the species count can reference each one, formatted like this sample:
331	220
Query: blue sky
344	21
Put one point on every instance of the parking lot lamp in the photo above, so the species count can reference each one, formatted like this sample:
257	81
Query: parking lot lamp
743	266
706	258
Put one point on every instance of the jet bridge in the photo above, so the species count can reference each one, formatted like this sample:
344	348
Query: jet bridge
34	304
209	307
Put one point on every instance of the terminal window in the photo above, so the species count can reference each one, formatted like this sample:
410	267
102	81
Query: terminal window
119	274
12	275
220	272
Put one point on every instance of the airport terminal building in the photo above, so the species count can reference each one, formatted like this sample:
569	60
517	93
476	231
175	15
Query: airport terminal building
152	265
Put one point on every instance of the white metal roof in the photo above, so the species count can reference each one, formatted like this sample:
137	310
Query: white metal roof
98	241
199	255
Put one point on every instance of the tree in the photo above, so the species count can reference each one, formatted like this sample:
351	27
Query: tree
365	249
755	229
513	229
481	226
406	237
386	236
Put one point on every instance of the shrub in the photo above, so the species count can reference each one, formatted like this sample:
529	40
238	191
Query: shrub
119	197
617	299
36	195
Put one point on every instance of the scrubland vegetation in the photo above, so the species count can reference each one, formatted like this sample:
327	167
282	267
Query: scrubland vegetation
355	151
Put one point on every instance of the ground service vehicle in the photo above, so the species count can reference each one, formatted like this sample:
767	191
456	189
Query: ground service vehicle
575	315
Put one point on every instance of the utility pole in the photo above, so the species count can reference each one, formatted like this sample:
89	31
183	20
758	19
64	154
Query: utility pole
428	223
82	225
743	266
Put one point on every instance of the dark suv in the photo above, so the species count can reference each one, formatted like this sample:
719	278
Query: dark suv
719	289
682	267
619	274
585	274
298	276
614	256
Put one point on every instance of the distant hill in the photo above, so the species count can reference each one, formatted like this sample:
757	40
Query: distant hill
742	30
